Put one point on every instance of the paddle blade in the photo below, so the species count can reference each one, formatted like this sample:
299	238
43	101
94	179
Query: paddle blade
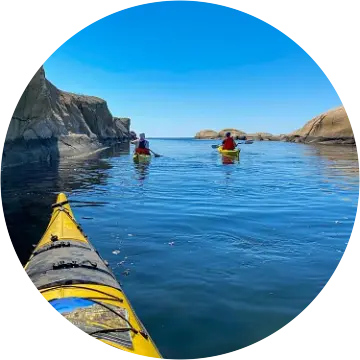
215	146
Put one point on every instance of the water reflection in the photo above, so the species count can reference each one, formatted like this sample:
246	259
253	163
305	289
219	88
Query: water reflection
228	160
340	160
117	150
28	191
337	152
141	170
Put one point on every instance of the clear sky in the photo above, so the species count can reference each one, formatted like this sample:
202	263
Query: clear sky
178	67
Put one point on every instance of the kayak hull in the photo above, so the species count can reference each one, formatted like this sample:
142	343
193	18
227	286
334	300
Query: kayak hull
141	158
229	153
75	280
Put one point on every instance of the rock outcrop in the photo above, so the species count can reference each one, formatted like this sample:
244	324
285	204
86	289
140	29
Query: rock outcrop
50	123
331	127
206	134
236	134
212	134
260	136
133	135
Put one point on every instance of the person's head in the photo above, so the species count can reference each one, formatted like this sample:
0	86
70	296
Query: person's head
228	134
142	136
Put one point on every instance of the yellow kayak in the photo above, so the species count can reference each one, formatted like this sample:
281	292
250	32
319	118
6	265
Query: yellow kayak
141	158
77	282
232	153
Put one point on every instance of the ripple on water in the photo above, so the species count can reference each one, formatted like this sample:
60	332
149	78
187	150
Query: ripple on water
238	249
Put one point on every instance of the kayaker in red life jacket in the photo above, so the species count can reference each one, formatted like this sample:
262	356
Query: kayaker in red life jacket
141	145
229	143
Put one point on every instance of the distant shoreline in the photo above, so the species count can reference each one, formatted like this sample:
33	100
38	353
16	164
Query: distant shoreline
343	142
331	128
170	138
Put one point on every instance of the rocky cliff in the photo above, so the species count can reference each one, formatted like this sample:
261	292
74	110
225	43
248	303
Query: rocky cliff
50	123
331	127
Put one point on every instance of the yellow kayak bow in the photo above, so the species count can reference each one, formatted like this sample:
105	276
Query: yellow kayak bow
73	277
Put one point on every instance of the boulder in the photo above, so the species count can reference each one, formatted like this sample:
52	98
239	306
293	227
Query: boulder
331	127
237	134
206	134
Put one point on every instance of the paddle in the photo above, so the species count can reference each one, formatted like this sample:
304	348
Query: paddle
156	155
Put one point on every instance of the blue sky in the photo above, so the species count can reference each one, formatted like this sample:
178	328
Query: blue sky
178	67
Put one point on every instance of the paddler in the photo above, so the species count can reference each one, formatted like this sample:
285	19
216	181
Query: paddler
229	142
141	145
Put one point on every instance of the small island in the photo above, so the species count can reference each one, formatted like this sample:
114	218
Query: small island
236	134
330	127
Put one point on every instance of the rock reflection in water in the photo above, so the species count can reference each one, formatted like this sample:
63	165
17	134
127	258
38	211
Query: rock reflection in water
340	160
26	199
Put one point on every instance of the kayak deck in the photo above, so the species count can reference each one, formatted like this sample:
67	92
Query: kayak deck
231	153
76	281
141	157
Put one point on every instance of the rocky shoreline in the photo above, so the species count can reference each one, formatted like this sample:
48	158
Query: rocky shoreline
49	123
331	127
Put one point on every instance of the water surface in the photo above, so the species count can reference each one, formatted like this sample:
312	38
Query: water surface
219	255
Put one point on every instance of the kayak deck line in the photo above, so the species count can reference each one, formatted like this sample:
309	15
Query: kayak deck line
71	284
63	229
73	277
59	204
110	296
69	264
61	243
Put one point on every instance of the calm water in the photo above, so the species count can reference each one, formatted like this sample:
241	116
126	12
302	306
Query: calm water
219	255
